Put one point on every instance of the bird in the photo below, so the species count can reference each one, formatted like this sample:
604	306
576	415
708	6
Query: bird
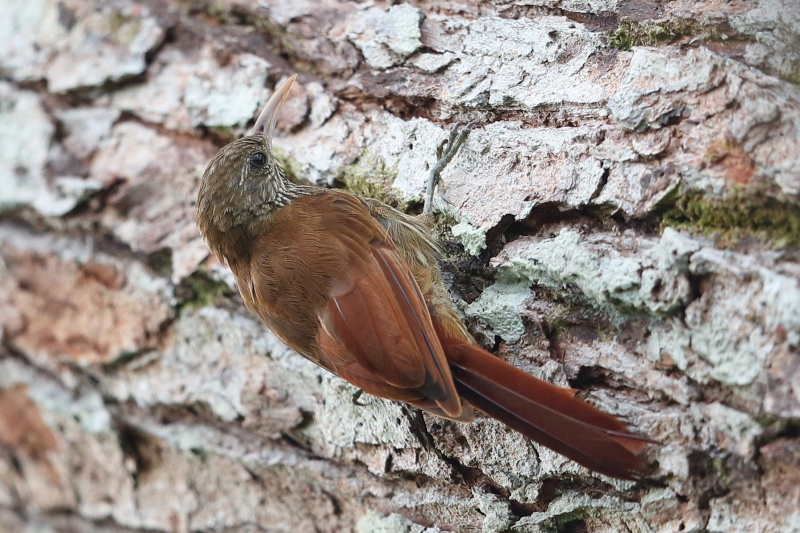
354	285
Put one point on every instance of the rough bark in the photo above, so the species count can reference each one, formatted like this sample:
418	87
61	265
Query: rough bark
624	220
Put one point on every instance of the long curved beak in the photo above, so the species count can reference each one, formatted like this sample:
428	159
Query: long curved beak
269	115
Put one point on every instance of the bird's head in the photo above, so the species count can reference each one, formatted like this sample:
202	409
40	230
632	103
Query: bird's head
244	182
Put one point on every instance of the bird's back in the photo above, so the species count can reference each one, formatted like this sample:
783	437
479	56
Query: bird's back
328	280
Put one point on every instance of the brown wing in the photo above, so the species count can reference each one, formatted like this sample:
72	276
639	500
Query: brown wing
354	305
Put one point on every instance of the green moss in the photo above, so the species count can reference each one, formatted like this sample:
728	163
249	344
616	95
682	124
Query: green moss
291	167
741	215
721	469
443	222
160	262
222	133
371	177
122	360
201	453
124	29
648	33
773	425
792	77
555	323
198	290
216	10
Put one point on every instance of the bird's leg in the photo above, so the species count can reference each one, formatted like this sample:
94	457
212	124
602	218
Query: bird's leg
356	396
444	154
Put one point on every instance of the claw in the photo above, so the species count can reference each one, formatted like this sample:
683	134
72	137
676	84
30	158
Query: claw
444	153
356	396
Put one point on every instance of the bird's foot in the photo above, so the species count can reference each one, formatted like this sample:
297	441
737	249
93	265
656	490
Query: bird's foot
444	153
356	396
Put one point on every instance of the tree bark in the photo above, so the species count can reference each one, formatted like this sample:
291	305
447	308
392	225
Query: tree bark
623	220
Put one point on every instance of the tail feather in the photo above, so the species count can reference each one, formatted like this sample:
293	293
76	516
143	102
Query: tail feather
547	414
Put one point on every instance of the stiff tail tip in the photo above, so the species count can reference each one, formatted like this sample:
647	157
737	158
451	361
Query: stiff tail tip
547	414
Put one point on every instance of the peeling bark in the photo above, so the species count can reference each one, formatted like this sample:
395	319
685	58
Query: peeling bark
623	220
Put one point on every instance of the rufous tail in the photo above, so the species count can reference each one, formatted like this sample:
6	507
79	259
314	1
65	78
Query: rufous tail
547	414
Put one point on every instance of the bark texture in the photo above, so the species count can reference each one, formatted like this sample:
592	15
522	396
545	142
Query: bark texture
624	220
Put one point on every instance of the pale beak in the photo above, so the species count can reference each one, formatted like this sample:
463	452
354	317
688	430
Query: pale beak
269	115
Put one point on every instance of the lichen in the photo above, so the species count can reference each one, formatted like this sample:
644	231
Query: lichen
571	508
651	282
499	306
650	33
473	239
742	214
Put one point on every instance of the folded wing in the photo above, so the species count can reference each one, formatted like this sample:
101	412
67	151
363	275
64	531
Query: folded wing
375	328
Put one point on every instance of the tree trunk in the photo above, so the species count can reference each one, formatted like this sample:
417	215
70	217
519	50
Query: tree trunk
624	219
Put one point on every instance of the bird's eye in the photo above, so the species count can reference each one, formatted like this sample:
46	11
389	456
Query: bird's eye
258	159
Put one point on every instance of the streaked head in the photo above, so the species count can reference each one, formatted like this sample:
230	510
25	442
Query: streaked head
243	183
244	178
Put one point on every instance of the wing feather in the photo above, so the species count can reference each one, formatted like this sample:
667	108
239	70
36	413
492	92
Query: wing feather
364	322
416	313
371	323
